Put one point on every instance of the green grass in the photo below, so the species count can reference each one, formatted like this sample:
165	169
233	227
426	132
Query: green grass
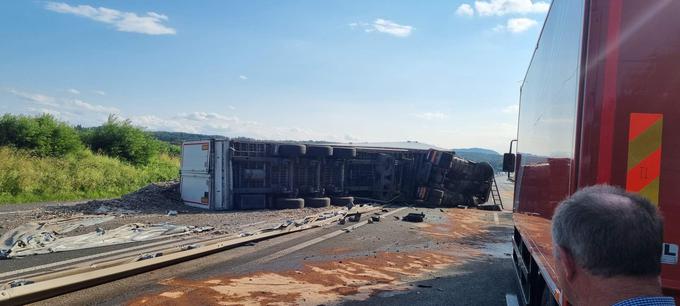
26	178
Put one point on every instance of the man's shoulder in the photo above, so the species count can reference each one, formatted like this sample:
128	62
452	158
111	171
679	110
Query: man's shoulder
648	301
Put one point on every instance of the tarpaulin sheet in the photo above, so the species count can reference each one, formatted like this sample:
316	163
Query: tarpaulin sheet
48	237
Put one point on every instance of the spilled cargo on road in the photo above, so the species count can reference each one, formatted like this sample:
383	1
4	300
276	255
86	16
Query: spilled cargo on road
231	174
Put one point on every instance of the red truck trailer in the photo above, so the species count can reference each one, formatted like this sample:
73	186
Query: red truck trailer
600	104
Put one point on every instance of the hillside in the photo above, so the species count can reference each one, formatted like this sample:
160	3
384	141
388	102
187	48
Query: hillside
482	155
477	151
179	137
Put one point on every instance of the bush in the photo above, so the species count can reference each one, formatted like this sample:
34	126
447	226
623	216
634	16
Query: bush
170	149
42	159
25	177
42	135
119	138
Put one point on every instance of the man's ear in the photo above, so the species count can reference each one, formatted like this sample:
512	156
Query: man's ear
566	260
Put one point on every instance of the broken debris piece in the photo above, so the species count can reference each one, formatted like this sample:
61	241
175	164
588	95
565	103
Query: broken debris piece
355	217
20	282
149	256
414	217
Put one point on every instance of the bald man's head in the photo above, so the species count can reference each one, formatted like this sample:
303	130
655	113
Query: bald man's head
610	232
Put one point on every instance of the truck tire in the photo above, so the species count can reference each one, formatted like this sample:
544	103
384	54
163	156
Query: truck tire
445	160
319	151
484	171
289	203
342	201
317	202
291	150
343	152
435	197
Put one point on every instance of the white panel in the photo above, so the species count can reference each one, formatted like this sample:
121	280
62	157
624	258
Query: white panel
195	189
196	156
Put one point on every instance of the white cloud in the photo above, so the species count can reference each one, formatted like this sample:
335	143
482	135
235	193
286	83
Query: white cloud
151	23
511	109
43	110
432	116
242	77
156	123
505	7
34	97
61	106
199	122
516	25
232	126
384	26
80	105
465	10
231	107
99	92
203	116
73	91
392	28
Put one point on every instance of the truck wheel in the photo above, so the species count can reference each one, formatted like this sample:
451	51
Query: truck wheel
342	201
317	202
484	171
289	203
445	160
291	150
343	152
435	197
319	151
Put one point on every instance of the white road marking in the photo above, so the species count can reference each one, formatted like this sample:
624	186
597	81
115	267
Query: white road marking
495	218
511	300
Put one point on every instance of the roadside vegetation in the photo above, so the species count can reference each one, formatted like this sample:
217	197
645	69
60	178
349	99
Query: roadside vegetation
43	159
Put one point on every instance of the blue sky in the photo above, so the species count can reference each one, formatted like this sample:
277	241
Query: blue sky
441	72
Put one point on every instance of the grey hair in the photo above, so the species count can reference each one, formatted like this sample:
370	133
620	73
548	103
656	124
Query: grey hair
610	232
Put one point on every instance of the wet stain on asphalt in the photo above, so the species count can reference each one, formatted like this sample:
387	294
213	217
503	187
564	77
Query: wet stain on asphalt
460	232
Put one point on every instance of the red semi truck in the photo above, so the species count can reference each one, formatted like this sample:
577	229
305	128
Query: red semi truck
600	104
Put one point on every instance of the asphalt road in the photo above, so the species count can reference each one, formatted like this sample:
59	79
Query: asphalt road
455	257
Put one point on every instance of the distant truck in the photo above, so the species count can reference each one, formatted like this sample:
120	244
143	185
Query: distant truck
600	104
234	174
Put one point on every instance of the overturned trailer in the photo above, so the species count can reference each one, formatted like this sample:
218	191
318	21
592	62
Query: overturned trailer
233	174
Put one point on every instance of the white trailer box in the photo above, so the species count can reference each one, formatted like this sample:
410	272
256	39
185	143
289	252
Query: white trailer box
204	179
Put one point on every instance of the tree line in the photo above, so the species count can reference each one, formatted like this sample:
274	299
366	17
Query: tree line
45	136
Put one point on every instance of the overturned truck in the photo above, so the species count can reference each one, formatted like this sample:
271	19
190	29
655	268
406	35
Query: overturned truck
233	174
